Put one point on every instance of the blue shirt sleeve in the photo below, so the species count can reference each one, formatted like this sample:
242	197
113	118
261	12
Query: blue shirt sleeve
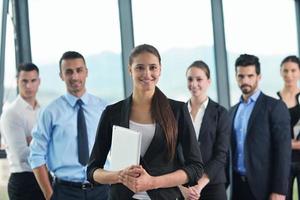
40	140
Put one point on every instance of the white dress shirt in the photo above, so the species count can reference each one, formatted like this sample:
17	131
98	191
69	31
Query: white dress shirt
199	116
16	123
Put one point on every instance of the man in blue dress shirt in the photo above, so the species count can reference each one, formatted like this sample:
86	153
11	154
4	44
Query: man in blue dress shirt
261	147
56	146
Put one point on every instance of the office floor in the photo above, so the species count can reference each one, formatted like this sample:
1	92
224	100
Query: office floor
4	173
3	193
295	194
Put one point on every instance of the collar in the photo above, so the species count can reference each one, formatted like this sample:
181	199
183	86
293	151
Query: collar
253	97
24	104
203	105
71	99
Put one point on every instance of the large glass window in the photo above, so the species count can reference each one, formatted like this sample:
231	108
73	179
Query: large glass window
10	82
266	29
182	32
10	93
89	27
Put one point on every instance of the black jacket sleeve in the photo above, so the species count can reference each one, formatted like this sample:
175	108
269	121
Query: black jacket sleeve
101	146
193	165
281	143
221	145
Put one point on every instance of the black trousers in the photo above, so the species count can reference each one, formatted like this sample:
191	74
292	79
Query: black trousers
240	188
68	192
23	186
294	174
214	192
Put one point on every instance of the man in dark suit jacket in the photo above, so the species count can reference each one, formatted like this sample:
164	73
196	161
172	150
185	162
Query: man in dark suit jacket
261	147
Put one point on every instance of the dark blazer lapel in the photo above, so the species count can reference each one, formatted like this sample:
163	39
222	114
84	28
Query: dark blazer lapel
188	114
125	112
125	116
256	109
233	111
157	139
207	119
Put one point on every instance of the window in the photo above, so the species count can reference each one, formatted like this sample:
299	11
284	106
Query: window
10	82
266	29
182	32
89	27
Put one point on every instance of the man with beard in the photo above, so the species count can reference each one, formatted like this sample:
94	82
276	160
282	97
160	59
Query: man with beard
260	146
65	135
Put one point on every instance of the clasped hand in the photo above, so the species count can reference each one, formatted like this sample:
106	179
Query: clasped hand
136	178
191	193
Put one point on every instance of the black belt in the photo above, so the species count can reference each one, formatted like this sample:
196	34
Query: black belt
243	178
82	186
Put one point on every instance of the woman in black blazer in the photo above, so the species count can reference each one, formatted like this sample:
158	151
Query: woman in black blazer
290	95
212	126
164	125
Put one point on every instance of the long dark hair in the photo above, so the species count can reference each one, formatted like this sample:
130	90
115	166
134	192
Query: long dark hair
161	111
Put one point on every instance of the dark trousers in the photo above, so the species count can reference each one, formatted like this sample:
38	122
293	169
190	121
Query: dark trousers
23	186
214	192
68	192
294	174
240	188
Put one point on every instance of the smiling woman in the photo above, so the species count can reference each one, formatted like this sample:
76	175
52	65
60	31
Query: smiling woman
289	94
161	170
145	70
212	127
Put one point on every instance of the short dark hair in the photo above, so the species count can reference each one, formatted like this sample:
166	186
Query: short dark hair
200	65
27	67
291	58
70	55
245	60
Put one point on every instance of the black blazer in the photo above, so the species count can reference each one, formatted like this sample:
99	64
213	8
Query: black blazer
267	147
214	137
155	159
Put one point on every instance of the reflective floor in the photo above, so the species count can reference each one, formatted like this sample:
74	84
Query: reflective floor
4	174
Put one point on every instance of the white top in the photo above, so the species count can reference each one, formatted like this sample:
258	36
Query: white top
16	123
199	116
147	131
296	129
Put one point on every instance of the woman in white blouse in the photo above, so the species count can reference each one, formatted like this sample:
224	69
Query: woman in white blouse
212	127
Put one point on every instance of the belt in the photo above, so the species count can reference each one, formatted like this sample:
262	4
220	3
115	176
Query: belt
243	178
82	186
